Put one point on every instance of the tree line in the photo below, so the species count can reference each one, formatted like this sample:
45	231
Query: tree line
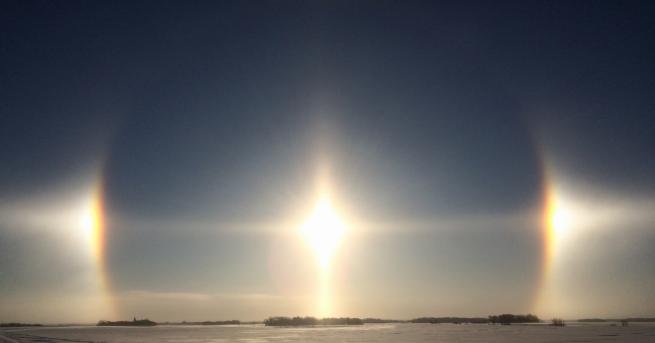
507	319
310	321
450	320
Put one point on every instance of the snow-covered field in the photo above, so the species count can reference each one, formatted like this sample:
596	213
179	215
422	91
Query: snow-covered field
366	333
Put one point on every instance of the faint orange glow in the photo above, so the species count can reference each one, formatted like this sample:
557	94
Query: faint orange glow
559	217
323	231
553	217
324	295
93	226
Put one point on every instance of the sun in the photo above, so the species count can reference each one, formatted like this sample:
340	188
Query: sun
559	217
561	221
323	231
91	221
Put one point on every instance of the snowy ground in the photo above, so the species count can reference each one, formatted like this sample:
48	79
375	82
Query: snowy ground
366	333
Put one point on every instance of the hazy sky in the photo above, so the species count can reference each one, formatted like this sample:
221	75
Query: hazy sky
206	129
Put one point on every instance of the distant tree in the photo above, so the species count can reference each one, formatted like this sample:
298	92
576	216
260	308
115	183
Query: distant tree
220	322
507	319
378	320
558	322
640	320
286	321
450	320
340	321
135	322
310	321
14	324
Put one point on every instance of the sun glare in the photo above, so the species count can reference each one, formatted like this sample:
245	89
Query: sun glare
561	221
90	222
560	216
323	231
87	222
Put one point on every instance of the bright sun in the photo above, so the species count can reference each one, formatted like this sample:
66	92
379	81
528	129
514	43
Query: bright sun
561	221
560	217
323	231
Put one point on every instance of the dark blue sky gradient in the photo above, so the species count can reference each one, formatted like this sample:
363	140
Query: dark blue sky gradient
188	99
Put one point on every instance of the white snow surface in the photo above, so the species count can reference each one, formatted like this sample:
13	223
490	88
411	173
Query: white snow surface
396	332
